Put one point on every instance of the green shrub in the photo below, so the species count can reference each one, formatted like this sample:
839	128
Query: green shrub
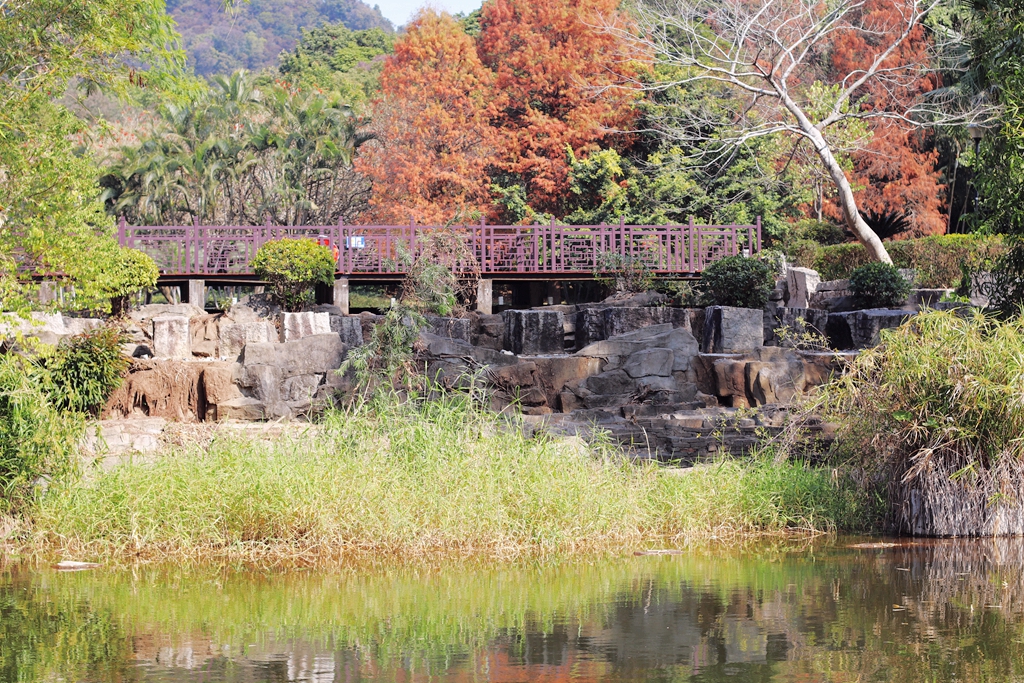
84	370
822	232
36	439
624	274
292	268
938	259
737	281
879	285
131	271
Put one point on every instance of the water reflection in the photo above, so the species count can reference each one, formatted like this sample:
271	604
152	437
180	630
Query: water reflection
921	611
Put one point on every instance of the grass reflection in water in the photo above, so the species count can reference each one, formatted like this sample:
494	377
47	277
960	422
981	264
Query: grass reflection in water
930	611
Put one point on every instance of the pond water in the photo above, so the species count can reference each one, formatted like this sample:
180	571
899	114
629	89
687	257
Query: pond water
921	611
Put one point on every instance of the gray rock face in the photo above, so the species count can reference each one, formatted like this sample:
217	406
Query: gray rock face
797	321
649	362
489	332
596	323
802	284
860	329
731	330
295	326
49	328
172	338
349	328
531	333
308	356
234	336
453	328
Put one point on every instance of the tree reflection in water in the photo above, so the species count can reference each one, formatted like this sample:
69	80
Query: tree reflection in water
922	611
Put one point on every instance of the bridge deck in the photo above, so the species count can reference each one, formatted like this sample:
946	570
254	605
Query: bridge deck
514	251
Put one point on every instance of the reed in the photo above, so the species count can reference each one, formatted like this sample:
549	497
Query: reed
936	414
417	478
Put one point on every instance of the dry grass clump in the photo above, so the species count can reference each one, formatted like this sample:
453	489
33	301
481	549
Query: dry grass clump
418	478
937	411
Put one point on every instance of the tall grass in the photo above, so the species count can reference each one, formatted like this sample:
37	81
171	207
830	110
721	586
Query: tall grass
937	412
420	478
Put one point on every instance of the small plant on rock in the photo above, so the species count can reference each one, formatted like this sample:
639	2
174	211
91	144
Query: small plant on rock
737	281
879	285
293	268
387	357
623	273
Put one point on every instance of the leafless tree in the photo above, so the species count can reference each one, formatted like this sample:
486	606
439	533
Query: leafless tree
767	55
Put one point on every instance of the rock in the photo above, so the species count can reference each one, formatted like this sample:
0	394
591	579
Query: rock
172	338
532	333
80	325
219	382
453	328
170	389
249	409
860	329
802	284
595	323
301	388
657	362
295	326
616	382
798	321
234	336
310	355
151	311
554	374
254	308
205	349
729	330
489	331
648	298
775	382
731	382
349	328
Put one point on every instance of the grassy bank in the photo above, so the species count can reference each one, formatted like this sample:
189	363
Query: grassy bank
407	480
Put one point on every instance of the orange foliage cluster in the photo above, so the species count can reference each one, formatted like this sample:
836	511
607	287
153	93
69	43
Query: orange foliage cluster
455	111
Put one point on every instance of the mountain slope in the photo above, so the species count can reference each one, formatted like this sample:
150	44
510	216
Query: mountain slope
252	35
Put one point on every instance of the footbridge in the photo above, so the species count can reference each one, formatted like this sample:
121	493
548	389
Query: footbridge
201	255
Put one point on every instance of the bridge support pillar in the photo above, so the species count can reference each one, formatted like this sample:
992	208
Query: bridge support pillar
341	294
485	296
197	293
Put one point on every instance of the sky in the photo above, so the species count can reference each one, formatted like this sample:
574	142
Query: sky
400	11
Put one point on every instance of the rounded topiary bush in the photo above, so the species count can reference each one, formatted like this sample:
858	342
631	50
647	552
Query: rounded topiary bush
737	281
130	271
292	268
879	285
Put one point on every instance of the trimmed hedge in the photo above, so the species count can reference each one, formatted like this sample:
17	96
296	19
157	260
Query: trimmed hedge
937	259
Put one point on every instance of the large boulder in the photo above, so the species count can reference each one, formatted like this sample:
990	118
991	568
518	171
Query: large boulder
453	328
312	355
861	329
49	328
349	328
295	326
729	330
797	321
235	336
533	332
595	323
802	284
172	337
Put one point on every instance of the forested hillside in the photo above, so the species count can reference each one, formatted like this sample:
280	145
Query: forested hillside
252	35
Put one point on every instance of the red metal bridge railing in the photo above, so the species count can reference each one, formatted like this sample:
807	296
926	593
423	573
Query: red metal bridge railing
199	250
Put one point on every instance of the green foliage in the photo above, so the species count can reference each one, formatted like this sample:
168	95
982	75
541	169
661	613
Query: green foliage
879	285
239	155
737	281
83	371
441	276
944	391
386	360
128	271
623	273
1008	278
252	35
331	57
292	268
36	439
937	260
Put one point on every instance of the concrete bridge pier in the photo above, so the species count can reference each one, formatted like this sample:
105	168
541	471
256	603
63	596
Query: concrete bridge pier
485	296
196	293
341	292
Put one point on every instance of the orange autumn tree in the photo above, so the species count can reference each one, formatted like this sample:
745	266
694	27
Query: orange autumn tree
553	67
428	162
896	170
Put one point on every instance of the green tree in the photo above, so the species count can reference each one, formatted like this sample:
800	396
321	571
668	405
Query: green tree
334	58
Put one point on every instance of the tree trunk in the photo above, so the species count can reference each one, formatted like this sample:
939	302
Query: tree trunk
854	222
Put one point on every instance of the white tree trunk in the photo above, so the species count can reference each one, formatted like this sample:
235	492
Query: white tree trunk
854	222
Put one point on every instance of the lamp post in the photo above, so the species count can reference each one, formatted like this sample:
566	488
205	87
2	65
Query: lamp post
976	132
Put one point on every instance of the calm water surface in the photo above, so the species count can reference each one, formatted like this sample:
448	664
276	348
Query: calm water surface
935	611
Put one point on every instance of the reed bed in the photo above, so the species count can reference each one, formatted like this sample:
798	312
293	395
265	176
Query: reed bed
418	478
936	412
